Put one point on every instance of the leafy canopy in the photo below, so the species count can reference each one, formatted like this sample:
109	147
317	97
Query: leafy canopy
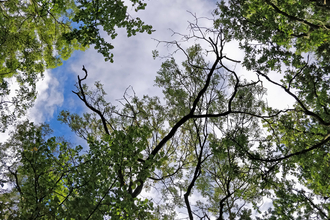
37	35
211	149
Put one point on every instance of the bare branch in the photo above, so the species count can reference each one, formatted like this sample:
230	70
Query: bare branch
82	97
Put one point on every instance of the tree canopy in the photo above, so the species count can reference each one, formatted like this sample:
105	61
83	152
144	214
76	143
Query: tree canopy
210	148
38	35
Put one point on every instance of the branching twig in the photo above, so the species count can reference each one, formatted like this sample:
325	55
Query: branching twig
82	97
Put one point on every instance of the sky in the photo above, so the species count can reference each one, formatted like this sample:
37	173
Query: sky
133	64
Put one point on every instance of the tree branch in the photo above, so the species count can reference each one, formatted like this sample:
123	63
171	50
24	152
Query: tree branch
82	97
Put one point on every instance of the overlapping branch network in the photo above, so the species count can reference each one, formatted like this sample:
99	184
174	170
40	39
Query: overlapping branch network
208	127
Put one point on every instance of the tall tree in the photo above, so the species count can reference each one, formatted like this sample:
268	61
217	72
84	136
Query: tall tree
213	148
291	39
132	148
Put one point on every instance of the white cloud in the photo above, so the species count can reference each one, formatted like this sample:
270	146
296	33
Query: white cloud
50	97
133	63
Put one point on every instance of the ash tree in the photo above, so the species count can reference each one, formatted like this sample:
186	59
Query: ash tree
212	148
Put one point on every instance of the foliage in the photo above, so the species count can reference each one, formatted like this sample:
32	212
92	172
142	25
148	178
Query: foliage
54	181
108	14
290	38
31	33
212	148
282	30
38	35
